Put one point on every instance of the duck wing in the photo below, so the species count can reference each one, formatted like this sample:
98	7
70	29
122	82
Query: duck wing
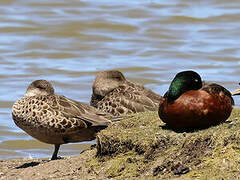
82	111
128	99
216	89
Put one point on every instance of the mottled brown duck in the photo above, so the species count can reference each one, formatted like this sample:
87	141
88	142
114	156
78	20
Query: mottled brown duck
56	119
114	94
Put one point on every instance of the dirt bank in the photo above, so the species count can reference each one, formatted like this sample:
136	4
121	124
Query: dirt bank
142	147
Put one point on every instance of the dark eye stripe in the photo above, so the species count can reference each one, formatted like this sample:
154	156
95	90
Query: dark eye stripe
40	87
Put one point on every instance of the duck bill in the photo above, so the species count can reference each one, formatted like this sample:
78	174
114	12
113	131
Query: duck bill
236	92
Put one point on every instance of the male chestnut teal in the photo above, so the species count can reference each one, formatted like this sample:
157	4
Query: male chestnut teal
189	104
114	94
56	119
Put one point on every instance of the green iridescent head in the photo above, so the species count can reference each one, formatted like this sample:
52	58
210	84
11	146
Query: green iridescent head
182	82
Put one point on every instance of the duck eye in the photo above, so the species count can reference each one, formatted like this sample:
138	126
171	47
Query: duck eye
40	87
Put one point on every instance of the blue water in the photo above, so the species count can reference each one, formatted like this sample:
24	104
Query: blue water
68	42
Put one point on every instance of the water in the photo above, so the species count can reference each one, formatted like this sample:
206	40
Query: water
68	42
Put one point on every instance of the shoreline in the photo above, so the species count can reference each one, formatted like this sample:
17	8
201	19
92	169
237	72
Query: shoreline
139	148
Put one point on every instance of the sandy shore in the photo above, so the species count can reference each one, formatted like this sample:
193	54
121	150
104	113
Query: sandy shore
67	168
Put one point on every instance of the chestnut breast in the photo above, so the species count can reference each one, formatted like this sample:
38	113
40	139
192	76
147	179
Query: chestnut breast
196	108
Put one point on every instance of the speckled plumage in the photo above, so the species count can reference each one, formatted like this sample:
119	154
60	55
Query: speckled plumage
55	119
113	93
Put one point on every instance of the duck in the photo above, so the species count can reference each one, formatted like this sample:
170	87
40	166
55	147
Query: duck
188	104
56	119
113	93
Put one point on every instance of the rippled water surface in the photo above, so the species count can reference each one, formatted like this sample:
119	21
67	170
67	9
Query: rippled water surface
68	42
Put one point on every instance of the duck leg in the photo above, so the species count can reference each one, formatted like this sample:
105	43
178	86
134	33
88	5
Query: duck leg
54	156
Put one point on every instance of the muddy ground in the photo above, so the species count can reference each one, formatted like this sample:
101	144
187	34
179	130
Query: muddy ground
143	148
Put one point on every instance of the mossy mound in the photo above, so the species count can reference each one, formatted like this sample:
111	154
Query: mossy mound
142	147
